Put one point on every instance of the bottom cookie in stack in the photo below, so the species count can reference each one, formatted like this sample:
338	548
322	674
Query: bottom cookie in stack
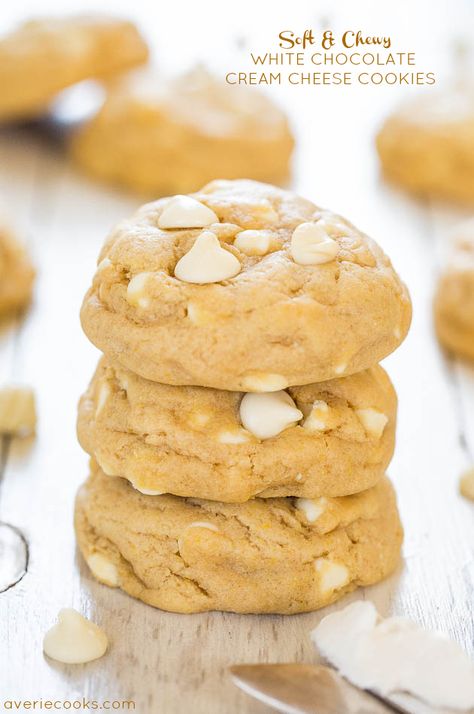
274	555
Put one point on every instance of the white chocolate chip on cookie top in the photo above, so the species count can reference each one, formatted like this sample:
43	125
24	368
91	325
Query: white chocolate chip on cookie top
186	212
266	415
207	262
311	245
253	242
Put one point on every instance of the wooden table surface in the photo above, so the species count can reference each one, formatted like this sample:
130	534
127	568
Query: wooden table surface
170	663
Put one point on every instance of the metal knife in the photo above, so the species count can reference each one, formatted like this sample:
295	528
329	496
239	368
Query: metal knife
314	689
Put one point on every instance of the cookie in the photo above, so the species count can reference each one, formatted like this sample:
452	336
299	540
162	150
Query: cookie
454	299
191	441
43	57
427	146
16	273
264	556
160	137
246	287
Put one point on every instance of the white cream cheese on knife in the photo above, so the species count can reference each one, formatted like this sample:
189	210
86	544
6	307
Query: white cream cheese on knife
396	655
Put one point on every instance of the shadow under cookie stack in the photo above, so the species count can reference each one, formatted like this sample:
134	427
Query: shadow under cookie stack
239	423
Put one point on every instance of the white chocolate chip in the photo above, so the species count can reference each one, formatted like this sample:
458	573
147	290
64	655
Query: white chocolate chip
199	418
196	524
186	212
332	575
123	382
334	227
204	524
317	419
17	411
340	368
207	262
103	569
74	639
397	333
253	242
103	264
312	508
266	415
311	245
199	316
136	290
299	477
102	397
466	484
146	491
263	382
237	436
373	421
107	468
264	211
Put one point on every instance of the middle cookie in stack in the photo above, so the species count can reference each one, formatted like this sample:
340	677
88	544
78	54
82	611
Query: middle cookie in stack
247	288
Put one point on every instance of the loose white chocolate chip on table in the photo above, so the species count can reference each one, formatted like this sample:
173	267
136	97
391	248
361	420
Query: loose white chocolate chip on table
237	436
312	508
136	290
396	655
263	382
317	418
186	212
266	415
332	575
207	262
374	422
311	245
253	242
103	569
466	484
74	639
102	396
17	411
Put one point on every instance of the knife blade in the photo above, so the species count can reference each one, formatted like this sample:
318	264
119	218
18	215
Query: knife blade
306	689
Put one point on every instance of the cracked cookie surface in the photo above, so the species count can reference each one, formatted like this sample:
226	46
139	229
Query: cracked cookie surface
161	137
427	146
264	556
454	299
16	273
189	441
43	57
275	323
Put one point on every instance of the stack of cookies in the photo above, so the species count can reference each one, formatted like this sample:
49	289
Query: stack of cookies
239	423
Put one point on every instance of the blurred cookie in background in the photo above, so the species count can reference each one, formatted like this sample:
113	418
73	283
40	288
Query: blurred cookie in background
16	273
454	300
427	146
159	137
44	56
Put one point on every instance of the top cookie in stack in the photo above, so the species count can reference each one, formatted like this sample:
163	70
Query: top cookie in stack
241	328
244	287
